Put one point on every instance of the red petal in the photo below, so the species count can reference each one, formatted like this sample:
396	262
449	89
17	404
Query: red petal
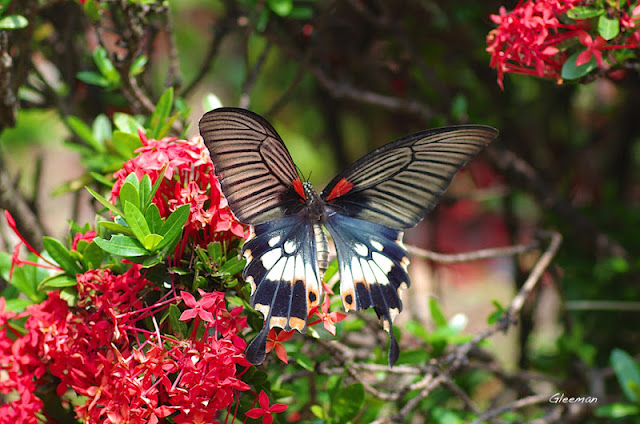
281	353
264	400
583	57
188	298
255	413
278	408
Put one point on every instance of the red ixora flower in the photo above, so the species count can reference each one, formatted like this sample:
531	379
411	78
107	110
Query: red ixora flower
526	38
327	318
265	410
594	48
274	342
188	179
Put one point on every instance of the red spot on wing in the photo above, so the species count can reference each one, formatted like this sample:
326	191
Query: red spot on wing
297	186
343	187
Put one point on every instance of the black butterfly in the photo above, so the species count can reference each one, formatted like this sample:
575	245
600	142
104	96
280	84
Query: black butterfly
365	208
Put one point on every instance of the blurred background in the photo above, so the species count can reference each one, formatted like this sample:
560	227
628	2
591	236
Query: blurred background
338	79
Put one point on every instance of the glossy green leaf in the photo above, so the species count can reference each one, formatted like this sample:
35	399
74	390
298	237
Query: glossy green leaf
125	143
61	255
584	12
608	28
104	202
26	278
151	241
172	228
83	131
121	245
126	123
101	128
91	9
13	22
136	221
436	313
153	218
571	71
137	67
114	227
161	113
349	402
57	282
214	250
106	68
233	266
93	78
92	256
281	7
627	371
617	410
145	192
211	101
129	193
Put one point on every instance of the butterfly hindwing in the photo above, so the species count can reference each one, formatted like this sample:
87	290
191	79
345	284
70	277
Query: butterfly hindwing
282	268
373	268
398	184
256	172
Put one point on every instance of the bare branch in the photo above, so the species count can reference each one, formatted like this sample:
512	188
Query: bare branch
450	258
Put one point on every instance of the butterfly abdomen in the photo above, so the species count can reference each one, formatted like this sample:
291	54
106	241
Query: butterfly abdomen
323	248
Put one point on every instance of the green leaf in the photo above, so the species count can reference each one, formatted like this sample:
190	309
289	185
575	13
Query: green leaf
126	123
92	10
145	191
617	410
93	78
497	314
211	101
179	327
161	113
214	250
125	143
281	7
57	282
151	241
583	12
153	218
26	278
332	270
62	256
102	128
627	372
348	402
571	71
129	193
92	256
114	227
104	202
106	68
608	28
121	245
84	132
137	223
305	362
172	228
436	313
156	185
137	67
13	22
233	266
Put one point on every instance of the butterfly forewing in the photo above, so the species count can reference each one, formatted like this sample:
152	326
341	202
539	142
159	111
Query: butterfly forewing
398	184
282	268
255	169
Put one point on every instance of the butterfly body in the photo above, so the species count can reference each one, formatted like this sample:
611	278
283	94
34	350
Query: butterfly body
365	209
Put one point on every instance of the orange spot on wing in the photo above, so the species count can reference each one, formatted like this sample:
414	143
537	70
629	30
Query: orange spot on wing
343	187
297	186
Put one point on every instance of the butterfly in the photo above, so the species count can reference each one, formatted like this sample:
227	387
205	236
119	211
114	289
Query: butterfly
365	208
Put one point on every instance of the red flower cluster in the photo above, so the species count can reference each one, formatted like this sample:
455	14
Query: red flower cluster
101	350
532	39
188	179
526	39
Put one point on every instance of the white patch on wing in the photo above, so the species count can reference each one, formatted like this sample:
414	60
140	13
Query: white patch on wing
381	277
289	268
275	273
290	246
383	262
299	270
274	240
270	258
368	274
356	270
377	245
312	278
361	249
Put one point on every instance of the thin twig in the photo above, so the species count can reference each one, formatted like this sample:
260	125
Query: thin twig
449	258
247	86
520	403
